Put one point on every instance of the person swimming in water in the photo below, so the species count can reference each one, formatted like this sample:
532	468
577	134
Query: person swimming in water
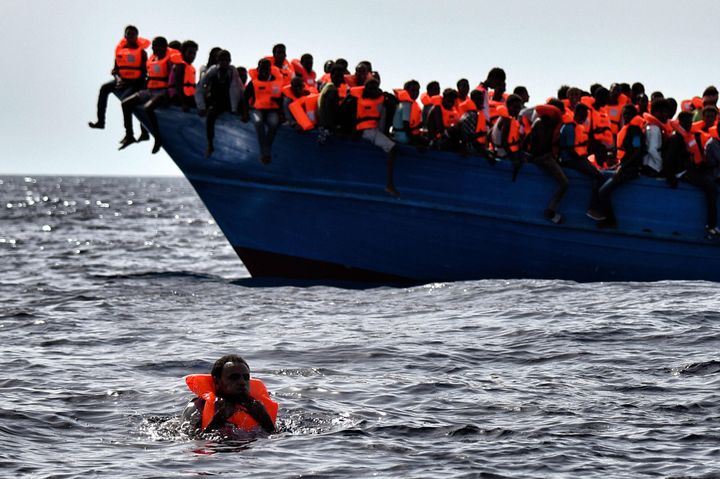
228	399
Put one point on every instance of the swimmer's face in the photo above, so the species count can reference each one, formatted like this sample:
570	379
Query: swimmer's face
234	381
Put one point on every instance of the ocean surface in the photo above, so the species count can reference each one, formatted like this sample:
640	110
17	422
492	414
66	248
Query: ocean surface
113	289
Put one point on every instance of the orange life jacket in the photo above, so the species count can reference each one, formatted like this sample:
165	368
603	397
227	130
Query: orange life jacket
189	80
600	126
287	91
426	99
368	109
481	128
158	71
699	127
665	128
304	110
449	117
513	140
308	77
415	111
614	113
495	107
581	140
636	121
203	386
465	105
694	142
267	92
286	71
129	60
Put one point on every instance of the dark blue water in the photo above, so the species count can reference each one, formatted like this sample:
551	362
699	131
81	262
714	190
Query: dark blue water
113	289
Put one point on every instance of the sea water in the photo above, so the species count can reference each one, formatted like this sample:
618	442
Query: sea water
113	289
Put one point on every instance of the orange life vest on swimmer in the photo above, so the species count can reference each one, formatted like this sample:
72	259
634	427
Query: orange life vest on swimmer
600	126
415	111
636	121
304	110
266	91
308	77
368	109
129	60
694	142
158	70
203	386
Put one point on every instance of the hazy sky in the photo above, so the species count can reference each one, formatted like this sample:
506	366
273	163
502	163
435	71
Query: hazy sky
58	53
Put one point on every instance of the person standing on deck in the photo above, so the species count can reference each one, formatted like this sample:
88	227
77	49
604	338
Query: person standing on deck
264	95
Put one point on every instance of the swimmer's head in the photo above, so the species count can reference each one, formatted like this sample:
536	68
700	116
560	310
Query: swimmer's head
231	376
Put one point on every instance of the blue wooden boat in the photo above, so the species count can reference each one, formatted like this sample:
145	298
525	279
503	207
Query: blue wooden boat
321	212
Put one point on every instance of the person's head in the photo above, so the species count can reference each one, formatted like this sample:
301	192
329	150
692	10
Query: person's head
581	113
175	45
463	87
448	98
656	95
224	60
660	109
343	63
594	87
297	85
306	60
159	46
625	89
601	96
478	98
562	92
263	68
412	87
231	377
522	92
629	112
361	73
433	88
685	118
709	115
514	104
131	34
213	56
557	104
710	96
372	89
637	89
673	105
337	74
495	78
279	54
328	66
614	95
189	51
243	74
573	95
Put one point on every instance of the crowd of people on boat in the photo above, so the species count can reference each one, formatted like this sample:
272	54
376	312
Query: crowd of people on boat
611	134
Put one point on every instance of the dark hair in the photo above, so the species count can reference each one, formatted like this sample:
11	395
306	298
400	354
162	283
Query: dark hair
637	88
659	104
497	73
478	97
630	106
410	84
160	41
218	366
709	108
513	99
306	56
327	67
519	90
685	117
343	62
278	46
213	56
224	54
434	86
175	44
264	61
710	91
462	81
337	68
132	28
655	95
673	104
595	87
601	92
188	44
450	92
562	92
581	107
557	104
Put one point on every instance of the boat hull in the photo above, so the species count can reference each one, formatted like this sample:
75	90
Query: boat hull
320	212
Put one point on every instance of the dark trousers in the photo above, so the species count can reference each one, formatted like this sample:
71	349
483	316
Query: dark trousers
150	100
583	165
266	125
214	111
123	89
550	165
620	178
706	183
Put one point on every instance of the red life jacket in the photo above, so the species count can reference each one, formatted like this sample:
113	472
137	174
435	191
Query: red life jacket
636	121
581	140
449	117
203	386
415	111
308	77
368	109
304	110
158	71
267	92
129	60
